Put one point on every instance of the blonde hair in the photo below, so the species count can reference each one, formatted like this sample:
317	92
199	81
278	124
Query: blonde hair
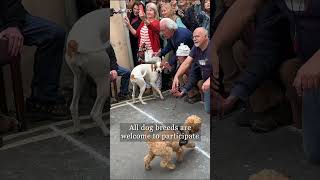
170	9
154	7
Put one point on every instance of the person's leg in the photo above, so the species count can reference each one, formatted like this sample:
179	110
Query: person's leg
288	71
49	39
311	124
206	99
125	77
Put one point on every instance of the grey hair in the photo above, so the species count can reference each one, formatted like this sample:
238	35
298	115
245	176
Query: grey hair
204	30
154	7
170	24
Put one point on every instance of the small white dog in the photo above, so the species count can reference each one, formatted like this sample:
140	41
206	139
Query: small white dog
145	73
86	54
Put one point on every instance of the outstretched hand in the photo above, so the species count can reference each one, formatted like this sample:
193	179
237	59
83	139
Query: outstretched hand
308	76
15	39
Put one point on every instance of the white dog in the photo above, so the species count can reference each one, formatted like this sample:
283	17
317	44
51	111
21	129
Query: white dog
86	54
145	73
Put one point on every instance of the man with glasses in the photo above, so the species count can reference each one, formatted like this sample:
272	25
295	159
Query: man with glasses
199	55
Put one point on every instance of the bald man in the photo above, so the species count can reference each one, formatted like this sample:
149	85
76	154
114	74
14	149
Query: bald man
199	55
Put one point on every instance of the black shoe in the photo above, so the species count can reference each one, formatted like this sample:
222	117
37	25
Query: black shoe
245	117
46	111
273	118
258	122
194	99
122	97
265	123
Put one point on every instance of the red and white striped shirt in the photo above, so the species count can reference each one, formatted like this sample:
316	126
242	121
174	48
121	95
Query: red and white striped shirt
145	37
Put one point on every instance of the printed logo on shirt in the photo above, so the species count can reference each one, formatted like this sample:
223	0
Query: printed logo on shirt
296	5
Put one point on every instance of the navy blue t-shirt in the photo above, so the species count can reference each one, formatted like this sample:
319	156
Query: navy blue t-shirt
304	17
201	58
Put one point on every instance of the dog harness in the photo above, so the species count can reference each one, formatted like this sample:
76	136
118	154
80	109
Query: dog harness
182	141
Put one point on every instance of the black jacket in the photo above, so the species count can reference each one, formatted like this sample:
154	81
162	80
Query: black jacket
113	58
12	14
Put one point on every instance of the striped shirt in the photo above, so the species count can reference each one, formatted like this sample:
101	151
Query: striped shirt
145	37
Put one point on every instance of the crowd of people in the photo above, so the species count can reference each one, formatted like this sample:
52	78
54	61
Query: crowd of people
265	57
178	33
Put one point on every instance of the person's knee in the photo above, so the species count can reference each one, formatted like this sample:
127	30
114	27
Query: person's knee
199	84
127	73
56	33
288	71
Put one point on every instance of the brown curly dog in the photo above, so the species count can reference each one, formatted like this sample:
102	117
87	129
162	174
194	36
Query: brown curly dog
165	147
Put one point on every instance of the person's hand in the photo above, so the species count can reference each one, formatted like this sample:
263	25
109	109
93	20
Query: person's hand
180	12
206	85
142	15
15	39
166	65
156	54
308	76
126	21
177	93
113	75
175	84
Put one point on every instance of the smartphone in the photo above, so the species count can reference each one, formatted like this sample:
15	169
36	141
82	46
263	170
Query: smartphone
141	8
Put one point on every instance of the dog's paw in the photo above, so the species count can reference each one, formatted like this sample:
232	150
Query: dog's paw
180	159
143	103
147	167
191	145
171	166
161	97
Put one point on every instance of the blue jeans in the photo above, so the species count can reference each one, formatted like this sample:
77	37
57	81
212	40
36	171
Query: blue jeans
49	39
206	99
311	124
125	76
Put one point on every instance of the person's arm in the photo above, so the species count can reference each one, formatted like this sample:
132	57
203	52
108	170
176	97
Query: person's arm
230	27
193	78
234	21
154	26
166	49
14	14
184	66
131	29
113	58
308	76
182	69
12	17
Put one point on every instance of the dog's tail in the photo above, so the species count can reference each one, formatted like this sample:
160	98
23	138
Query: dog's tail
134	77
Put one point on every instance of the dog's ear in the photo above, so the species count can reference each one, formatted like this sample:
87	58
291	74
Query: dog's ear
153	67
